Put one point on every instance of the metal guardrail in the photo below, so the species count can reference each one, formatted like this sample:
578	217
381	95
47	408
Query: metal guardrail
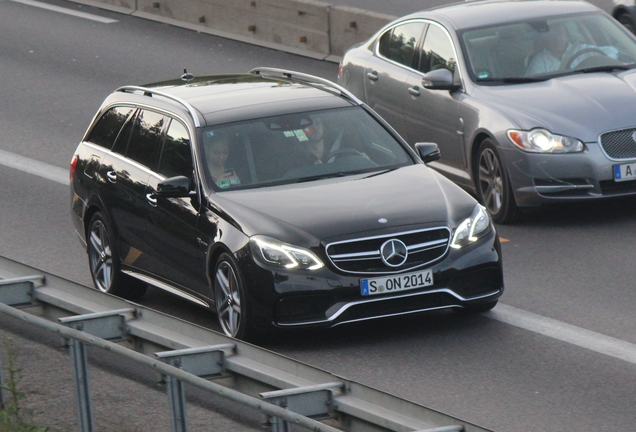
286	391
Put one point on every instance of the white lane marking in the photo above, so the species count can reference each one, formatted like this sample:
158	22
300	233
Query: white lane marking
578	336
66	11
507	314
47	171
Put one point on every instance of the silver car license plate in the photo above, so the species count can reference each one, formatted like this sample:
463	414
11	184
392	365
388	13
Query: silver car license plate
625	172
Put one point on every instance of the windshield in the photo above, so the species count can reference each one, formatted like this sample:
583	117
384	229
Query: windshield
298	147
540	49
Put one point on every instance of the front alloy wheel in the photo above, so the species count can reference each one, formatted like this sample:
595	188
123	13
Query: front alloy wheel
493	187
229	298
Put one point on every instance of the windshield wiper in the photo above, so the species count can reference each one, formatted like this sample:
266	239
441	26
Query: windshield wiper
321	177
606	68
513	80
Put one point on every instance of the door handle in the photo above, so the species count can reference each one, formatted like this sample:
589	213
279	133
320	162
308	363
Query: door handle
414	91
152	199
112	176
373	76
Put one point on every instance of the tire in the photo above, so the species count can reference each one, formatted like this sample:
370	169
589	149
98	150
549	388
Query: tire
104	262
493	186
230	300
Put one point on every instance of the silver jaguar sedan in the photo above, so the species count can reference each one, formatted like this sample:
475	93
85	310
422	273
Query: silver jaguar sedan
530	101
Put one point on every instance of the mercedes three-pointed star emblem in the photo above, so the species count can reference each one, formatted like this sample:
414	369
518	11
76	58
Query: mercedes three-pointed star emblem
393	253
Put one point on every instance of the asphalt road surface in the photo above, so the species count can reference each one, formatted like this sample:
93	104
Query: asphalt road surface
558	353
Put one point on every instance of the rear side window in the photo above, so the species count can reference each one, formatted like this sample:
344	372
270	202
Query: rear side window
144	144
399	44
108	126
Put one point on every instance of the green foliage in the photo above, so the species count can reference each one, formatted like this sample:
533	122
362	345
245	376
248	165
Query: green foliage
13	415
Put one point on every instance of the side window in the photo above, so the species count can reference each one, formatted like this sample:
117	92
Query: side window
108	126
437	51
176	156
399	44
145	140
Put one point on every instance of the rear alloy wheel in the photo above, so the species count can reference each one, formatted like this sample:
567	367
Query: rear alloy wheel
105	264
493	188
230	298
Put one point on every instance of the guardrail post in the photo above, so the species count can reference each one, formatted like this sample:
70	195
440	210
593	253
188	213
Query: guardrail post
176	397
315	401
82	391
16	292
206	362
107	325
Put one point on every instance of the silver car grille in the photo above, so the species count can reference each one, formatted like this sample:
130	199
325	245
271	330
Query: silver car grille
364	256
620	144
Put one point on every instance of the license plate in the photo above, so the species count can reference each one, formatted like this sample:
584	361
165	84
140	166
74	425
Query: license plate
396	283
625	172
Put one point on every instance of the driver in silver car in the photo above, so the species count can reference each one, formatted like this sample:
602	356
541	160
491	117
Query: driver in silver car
559	53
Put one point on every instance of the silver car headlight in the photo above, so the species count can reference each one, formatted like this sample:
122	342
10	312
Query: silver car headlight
472	229
275	252
544	141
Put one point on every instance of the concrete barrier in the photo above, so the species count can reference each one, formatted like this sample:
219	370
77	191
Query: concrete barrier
349	26
307	27
299	24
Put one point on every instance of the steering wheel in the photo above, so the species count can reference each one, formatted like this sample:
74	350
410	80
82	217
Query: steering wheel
336	154
567	64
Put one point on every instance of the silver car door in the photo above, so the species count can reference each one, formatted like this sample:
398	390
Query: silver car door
387	70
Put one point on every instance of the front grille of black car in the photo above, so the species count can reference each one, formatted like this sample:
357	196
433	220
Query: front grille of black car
362	255
619	144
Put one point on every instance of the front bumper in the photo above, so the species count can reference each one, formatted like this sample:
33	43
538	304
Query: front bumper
324	298
538	179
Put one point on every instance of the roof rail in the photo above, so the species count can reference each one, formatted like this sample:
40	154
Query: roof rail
305	78
150	92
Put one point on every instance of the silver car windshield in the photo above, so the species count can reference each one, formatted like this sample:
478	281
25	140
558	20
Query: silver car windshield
298	147
540	49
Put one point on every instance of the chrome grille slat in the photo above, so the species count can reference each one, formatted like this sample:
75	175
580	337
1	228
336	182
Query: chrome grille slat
362	255
355	255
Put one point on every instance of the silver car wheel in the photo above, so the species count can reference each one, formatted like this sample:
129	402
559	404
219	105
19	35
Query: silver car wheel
491	183
100	255
228	299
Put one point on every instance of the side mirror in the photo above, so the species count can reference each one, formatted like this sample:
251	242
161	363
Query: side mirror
439	79
174	187
428	152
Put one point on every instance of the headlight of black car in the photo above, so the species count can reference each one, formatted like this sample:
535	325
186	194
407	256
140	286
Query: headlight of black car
473	228
274	252
544	141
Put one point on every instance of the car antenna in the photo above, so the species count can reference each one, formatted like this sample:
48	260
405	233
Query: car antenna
187	77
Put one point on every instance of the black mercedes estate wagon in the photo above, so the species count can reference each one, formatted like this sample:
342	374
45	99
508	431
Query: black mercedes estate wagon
278	200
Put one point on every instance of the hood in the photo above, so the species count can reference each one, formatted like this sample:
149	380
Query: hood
307	213
581	106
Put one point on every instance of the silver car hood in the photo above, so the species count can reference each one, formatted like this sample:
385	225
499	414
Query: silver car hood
581	106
